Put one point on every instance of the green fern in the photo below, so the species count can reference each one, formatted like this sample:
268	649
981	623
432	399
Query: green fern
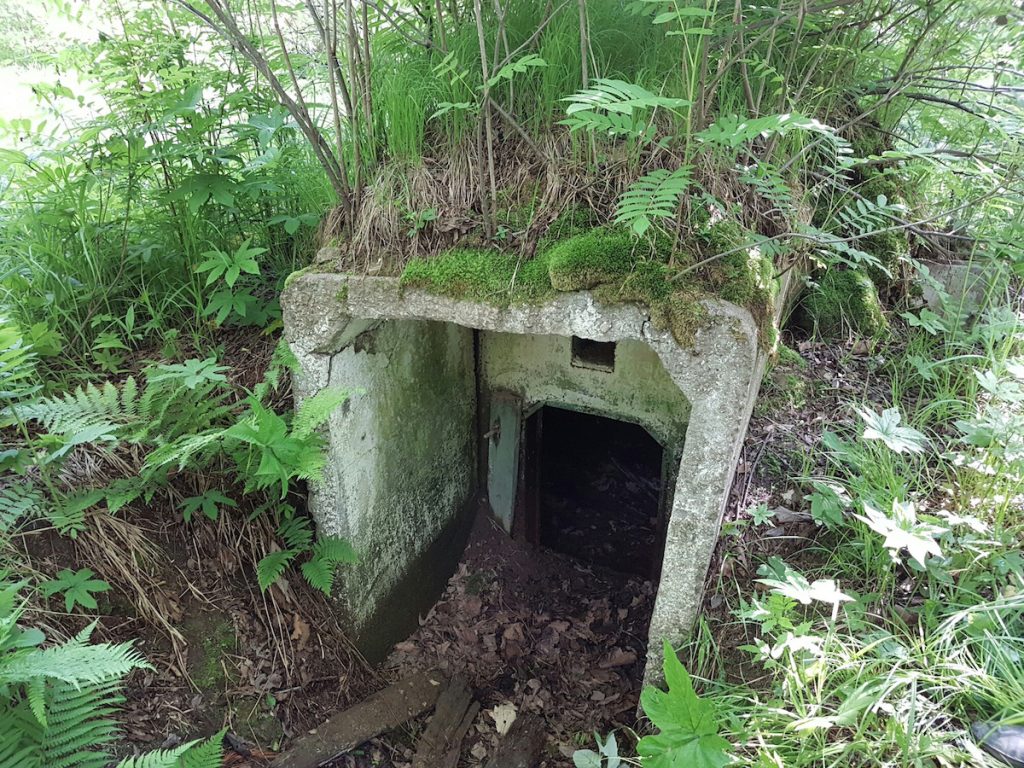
85	408
862	216
20	503
194	754
17	364
618	96
616	108
296	532
76	662
732	131
206	754
162	758
316	410
328	553
654	196
281	362
59	700
184	451
270	567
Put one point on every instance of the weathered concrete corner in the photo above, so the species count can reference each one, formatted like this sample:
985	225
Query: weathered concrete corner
962	288
429	369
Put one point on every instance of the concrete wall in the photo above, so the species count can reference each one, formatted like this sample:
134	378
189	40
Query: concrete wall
538	368
400	470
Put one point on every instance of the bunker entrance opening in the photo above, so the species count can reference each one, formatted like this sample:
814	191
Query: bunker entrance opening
594	490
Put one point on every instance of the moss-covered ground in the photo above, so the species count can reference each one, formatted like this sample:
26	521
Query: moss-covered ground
617	268
844	301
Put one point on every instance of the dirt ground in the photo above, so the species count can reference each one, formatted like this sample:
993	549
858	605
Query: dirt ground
532	630
535	631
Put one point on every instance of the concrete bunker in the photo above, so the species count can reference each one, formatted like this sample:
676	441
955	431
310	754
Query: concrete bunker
458	403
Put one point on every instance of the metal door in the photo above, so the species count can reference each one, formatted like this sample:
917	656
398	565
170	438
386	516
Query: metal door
503	437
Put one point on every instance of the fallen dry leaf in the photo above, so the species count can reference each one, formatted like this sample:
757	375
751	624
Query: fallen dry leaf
479	751
300	632
503	716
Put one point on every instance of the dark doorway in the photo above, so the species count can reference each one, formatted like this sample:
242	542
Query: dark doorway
593	489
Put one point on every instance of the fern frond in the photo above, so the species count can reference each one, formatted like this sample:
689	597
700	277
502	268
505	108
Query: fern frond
733	131
315	410
654	196
296	533
863	216
35	695
335	549
75	663
270	567
282	361
183	451
328	553
194	754
208	754
80	410
20	502
19	740
121	492
319	574
161	758
609	95
80	724
610	124
17	364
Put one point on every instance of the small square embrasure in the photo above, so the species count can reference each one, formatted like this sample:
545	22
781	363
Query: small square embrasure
598	355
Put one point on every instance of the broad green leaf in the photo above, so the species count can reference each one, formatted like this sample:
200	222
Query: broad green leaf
886	427
688	727
77	587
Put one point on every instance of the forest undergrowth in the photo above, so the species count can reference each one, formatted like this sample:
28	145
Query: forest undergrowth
866	605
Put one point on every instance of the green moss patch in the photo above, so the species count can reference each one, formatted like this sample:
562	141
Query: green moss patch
845	300
893	246
211	638
480	275
585	261
618	269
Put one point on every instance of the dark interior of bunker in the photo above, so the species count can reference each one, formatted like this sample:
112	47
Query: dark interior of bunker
593	489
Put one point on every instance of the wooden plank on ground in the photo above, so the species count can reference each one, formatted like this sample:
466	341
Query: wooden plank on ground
522	745
373	716
441	743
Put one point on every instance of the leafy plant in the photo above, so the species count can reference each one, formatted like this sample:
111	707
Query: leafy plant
209	503
606	756
77	588
886	427
688	728
903	530
651	197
